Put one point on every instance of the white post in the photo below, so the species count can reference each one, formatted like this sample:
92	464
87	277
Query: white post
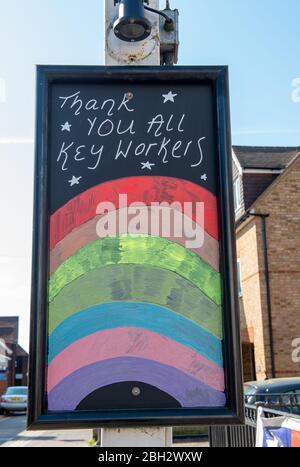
152	437
145	53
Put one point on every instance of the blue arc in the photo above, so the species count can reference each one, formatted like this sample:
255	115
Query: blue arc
139	315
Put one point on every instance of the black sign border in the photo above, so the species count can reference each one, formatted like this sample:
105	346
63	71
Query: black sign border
38	418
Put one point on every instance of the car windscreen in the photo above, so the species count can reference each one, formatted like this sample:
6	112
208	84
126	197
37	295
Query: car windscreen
249	390
16	391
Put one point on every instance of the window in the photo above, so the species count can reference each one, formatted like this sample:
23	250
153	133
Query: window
239	277
237	194
16	391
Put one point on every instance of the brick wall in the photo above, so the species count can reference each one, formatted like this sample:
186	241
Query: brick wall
250	302
282	202
3	386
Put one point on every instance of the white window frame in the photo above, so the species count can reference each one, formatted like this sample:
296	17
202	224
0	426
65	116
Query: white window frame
237	192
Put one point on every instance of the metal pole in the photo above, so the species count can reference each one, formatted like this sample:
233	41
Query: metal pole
145	53
268	289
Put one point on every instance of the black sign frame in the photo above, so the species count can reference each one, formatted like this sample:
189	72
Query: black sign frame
38	418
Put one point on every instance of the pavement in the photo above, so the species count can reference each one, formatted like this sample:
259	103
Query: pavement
10	427
13	434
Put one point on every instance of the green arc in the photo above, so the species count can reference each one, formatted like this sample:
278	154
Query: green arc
136	283
145	250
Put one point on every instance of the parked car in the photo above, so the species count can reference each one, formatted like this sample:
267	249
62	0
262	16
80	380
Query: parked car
14	399
280	394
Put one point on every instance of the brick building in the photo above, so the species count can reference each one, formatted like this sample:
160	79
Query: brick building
267	205
13	358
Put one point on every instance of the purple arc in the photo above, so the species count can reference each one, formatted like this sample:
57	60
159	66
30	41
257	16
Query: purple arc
186	390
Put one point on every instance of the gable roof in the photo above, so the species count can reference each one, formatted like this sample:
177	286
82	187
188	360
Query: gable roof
254	185
245	218
260	157
279	179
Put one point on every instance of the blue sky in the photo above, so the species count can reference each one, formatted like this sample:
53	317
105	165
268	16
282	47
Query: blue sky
258	39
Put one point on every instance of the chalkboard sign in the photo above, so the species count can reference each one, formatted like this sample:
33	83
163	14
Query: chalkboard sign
134	305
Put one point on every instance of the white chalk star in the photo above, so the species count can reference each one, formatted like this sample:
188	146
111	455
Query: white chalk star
75	180
66	127
169	97
147	165
204	177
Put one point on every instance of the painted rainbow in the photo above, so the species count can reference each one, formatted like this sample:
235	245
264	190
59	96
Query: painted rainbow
134	309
